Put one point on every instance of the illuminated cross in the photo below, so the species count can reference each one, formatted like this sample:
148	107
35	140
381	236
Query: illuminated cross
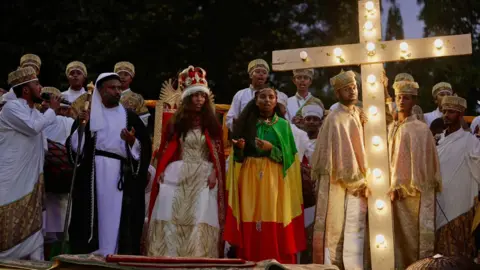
371	53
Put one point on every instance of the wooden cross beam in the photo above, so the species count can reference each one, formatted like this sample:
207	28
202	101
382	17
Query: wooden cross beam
371	53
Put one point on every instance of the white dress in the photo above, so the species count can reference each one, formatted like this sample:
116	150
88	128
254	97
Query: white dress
184	220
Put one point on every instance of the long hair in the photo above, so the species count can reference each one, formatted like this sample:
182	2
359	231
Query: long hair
246	125
182	120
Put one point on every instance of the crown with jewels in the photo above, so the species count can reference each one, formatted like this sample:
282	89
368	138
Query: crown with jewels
193	80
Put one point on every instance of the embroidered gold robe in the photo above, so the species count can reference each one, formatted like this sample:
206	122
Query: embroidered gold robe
339	165
415	178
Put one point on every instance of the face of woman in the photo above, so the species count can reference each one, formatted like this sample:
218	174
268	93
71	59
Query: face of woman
198	100
266	100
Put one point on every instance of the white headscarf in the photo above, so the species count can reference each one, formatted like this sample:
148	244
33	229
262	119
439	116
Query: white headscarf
97	116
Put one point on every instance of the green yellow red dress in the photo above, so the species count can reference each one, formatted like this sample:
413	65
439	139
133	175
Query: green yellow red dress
265	204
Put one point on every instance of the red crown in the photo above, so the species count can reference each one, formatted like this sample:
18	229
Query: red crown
193	76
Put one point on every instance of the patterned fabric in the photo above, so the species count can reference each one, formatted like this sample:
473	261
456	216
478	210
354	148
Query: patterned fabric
415	177
412	143
261	223
22	218
339	151
177	227
456	238
169	152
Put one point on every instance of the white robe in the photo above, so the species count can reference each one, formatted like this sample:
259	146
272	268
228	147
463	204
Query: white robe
240	100
295	103
107	174
431	116
459	155
301	140
72	95
60	129
21	162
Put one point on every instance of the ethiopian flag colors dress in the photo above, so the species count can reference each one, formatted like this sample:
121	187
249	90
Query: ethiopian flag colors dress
265	205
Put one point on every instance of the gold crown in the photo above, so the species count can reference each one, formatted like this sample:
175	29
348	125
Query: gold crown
76	65
441	86
125	66
258	63
51	90
30	59
21	76
454	103
343	79
406	88
404	77
304	72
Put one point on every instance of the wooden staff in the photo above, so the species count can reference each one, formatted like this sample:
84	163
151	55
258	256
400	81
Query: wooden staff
80	133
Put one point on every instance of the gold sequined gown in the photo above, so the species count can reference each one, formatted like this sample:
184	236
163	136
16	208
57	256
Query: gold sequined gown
184	220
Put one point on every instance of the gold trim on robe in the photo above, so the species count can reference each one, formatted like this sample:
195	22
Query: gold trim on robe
21	218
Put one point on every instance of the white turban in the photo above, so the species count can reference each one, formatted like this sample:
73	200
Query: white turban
97	117
312	110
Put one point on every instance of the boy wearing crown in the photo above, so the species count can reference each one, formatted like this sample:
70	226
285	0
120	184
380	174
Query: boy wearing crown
76	74
258	71
339	166
302	78
130	99
439	90
414	179
21	163
31	60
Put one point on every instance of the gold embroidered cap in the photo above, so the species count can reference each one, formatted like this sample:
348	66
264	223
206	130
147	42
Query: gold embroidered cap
51	90
304	72
125	66
440	87
22	76
454	103
260	63
404	77
76	65
30	59
343	79
406	88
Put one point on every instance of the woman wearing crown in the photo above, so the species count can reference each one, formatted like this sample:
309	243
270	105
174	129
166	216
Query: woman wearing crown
265	204
187	212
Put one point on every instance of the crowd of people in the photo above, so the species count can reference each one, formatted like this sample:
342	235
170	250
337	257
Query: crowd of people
294	187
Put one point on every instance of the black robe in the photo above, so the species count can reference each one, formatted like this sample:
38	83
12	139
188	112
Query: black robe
82	227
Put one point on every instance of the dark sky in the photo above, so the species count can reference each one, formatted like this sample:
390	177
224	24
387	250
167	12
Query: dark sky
412	27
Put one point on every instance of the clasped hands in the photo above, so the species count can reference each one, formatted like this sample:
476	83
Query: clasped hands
262	145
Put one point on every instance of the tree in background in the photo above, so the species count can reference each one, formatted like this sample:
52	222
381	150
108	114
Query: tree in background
220	36
445	17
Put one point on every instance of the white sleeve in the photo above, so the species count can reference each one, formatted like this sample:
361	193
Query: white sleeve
25	122
136	149
234	111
